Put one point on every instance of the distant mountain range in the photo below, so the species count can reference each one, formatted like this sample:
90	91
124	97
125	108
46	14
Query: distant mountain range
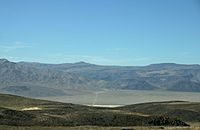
37	79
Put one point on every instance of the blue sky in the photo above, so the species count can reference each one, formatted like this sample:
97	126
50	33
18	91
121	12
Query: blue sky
107	32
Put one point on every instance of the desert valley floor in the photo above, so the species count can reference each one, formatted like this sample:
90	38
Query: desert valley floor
112	98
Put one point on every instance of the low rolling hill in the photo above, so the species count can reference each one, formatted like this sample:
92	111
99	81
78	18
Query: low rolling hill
186	111
20	111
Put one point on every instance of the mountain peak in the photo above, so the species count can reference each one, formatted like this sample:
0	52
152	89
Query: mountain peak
82	63
3	61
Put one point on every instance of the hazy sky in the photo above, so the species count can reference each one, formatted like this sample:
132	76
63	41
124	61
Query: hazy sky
119	32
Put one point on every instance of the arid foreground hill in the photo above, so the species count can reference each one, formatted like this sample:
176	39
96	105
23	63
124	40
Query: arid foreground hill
20	111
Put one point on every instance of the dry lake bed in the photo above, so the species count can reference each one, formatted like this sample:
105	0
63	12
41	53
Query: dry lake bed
112	98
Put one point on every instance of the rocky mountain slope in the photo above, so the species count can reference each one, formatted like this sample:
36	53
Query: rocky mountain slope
84	76
30	81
